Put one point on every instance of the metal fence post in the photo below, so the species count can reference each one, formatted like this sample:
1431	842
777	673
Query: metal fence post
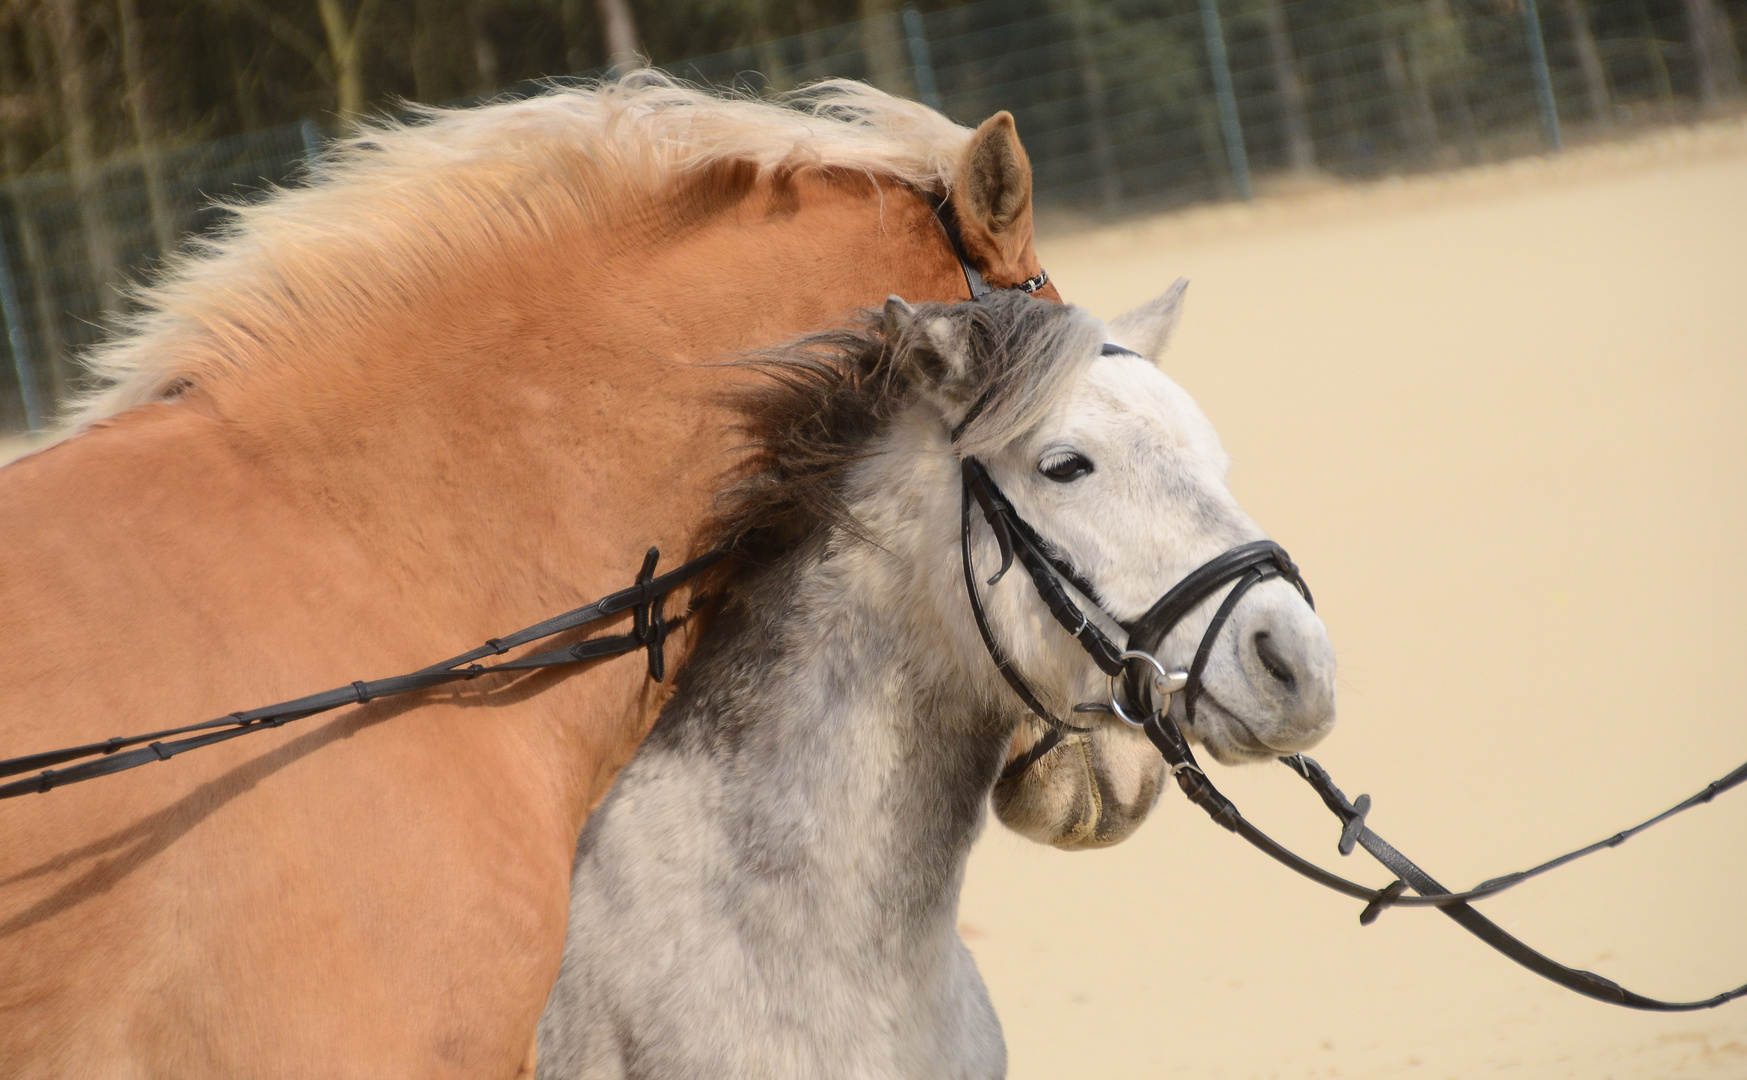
1234	132
1543	78
9	310
312	140
920	62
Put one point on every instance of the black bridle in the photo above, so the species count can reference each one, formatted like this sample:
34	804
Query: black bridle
1244	567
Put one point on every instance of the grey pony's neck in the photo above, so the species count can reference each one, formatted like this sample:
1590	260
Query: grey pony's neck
771	889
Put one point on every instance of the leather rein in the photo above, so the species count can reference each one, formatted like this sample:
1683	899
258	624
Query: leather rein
650	626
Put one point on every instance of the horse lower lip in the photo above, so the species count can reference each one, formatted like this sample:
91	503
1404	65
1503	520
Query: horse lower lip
1249	740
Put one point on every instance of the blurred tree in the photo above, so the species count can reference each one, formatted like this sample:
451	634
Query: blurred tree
442	58
67	35
347	35
1415	122
1714	51
1080	17
1589	61
1294	115
117	116
887	65
139	108
264	64
1155	77
24	103
1439	58
1458	65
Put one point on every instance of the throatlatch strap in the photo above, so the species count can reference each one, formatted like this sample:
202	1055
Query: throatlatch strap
1016	537
981	617
973	278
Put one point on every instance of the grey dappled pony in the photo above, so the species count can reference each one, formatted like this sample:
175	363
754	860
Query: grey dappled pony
771	888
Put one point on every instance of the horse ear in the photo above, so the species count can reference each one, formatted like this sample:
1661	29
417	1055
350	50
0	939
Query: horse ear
992	196
899	316
1147	329
933	347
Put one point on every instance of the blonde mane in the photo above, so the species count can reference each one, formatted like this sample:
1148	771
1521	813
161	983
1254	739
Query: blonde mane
406	202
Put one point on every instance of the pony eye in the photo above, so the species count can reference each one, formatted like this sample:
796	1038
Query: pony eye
1066	467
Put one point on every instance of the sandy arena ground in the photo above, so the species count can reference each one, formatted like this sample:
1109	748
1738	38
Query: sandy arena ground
1498	419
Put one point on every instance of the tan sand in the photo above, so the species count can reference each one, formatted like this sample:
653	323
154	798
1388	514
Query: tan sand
1501	421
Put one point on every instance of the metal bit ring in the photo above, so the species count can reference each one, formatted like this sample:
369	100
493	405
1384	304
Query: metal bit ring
1165	683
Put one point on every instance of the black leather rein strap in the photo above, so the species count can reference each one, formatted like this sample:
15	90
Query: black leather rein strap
1200	791
1252	564
650	627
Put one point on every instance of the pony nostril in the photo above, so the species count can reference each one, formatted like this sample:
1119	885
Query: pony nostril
1277	666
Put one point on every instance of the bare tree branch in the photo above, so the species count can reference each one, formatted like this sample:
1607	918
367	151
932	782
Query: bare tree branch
285	31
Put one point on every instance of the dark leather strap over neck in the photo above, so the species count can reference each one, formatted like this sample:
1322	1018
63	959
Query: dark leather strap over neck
948	218
973	278
650	626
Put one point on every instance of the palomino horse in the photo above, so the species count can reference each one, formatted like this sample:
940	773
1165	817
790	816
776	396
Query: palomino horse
454	385
771	888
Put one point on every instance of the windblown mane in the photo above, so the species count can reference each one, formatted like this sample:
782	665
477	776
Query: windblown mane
407	202
830	396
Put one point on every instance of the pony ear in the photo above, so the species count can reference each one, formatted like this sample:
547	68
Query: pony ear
1147	329
991	195
933	348
899	316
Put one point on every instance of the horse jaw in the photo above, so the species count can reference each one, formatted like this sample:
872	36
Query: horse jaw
1092	792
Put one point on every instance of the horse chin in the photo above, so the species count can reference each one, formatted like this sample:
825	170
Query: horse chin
1229	740
1223	748
1092	791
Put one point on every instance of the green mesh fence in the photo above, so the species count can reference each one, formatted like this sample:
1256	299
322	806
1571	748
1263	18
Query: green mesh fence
1119	102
